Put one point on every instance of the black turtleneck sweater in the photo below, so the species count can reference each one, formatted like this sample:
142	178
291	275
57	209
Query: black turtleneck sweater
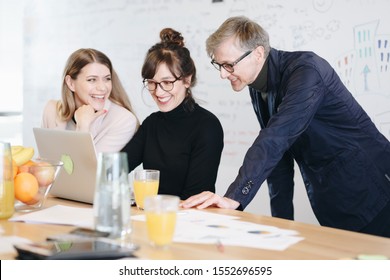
185	146
259	95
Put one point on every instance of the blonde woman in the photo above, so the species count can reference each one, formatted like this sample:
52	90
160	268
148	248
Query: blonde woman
94	101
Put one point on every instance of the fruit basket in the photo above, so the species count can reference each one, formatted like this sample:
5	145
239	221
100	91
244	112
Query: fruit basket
32	183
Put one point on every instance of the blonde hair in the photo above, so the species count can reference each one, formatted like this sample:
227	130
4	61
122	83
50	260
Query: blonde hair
249	35
74	64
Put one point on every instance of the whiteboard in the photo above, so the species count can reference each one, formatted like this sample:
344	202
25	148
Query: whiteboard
344	32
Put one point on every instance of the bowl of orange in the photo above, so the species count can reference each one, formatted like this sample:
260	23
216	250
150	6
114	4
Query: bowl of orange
32	183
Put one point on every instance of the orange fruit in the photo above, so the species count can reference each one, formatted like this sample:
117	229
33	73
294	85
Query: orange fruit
14	169
25	167
26	187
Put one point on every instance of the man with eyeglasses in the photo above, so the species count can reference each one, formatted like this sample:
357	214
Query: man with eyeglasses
307	115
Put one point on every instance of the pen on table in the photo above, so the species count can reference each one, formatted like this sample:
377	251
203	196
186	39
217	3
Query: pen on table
220	246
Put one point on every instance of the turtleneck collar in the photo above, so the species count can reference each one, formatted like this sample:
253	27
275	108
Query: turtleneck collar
260	83
178	112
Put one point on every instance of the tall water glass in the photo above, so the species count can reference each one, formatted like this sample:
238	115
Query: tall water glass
7	195
112	196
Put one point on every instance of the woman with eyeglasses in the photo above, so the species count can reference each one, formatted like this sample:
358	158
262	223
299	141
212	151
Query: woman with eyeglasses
94	101
182	140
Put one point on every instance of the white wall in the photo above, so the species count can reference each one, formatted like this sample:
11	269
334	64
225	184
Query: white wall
124	30
11	57
11	80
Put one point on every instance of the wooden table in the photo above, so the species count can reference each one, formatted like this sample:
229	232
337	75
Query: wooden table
320	243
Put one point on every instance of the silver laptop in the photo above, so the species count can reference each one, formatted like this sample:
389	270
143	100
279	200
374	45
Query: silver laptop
76	179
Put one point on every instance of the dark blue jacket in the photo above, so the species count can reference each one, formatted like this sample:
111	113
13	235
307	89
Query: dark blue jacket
316	121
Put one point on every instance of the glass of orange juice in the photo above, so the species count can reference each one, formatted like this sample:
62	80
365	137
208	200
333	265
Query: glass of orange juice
7	175
160	213
145	183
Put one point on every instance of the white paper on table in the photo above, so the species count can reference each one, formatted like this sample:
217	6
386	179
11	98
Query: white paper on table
236	233
194	226
59	214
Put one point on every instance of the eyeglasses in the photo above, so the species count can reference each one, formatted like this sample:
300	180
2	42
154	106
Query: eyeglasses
164	85
229	66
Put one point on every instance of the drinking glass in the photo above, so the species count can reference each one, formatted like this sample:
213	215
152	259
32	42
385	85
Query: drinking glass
160	213
146	183
7	195
112	196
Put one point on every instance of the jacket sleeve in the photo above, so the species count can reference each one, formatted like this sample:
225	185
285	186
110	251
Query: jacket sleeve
303	94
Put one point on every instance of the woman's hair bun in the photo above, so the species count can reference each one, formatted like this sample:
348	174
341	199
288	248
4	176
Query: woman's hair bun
170	36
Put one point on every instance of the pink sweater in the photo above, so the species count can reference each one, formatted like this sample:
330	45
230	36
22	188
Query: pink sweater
110	132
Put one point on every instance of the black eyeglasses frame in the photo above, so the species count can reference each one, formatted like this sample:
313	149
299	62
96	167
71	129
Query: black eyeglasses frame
229	67
146	83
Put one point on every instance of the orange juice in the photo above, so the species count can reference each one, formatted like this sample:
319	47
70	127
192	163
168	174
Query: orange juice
7	199
143	189
161	227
